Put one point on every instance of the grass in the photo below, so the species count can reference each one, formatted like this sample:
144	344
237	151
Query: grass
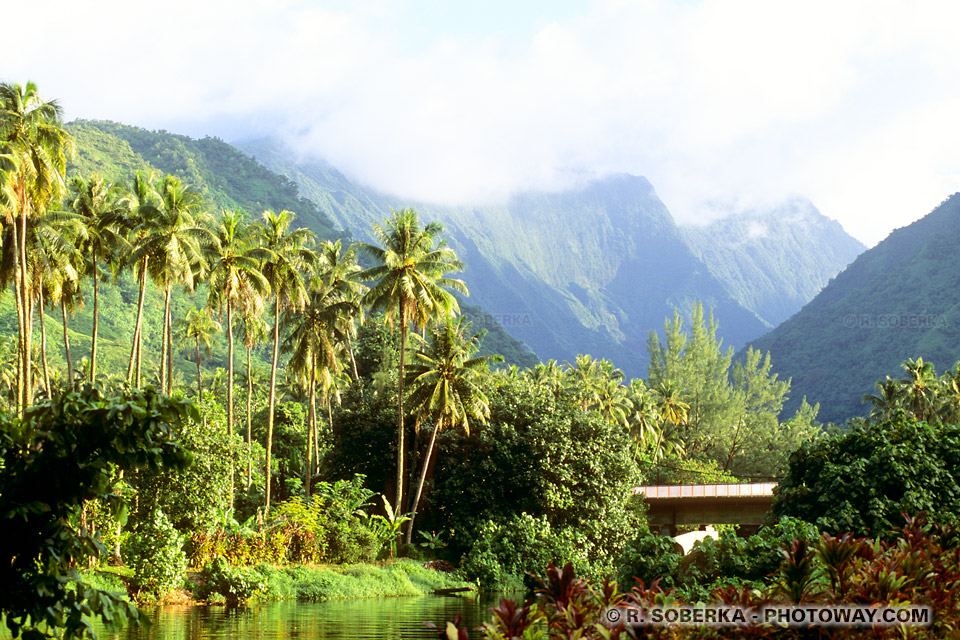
400	578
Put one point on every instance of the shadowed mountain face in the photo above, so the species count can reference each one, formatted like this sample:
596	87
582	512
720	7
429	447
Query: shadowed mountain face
898	300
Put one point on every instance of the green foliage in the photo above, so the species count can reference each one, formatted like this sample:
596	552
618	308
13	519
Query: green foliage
155	552
649	557
195	498
505	553
861	480
59	455
236	585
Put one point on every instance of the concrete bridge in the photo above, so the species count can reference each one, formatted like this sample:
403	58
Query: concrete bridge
695	505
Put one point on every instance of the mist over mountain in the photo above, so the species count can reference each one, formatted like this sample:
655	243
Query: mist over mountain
896	301
773	260
595	269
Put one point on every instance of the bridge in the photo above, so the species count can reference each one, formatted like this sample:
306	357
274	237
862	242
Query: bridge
702	504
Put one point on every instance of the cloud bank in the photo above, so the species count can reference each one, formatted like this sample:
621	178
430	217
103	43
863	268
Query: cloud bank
852	104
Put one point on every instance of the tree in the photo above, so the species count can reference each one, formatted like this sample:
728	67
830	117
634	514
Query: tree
861	480
60	454
235	281
36	146
96	203
409	287
285	269
445	387
253	331
920	388
174	241
199	329
138	207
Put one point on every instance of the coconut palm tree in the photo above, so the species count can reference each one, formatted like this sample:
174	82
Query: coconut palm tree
887	399
138	206
410	286
920	388
287	272
644	418
198	329
253	332
445	386
174	240
235	283
96	203
37	147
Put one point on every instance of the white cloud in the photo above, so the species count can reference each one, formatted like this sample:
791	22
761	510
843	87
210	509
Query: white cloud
851	104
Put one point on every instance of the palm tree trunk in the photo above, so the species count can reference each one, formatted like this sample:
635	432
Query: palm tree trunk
43	346
199	377
249	408
96	319
169	349
353	362
272	396
163	342
398	505
135	349
27	388
311	422
230	389
423	477
66	345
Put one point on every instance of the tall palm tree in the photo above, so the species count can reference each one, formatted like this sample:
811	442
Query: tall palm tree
138	206
643	420
174	240
235	283
253	332
96	203
411	262
886	400
198	329
37	146
286	269
445	387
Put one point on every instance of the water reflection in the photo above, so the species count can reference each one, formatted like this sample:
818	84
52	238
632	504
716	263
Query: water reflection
370	619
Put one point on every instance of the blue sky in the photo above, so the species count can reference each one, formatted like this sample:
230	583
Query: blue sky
852	104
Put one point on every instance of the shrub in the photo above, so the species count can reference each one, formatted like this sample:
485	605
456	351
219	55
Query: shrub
236	585
156	555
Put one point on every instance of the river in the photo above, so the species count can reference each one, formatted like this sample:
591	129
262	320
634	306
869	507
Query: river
369	619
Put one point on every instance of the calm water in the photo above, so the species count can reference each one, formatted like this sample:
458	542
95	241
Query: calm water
370	619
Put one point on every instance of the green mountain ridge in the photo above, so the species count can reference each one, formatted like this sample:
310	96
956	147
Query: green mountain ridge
898	300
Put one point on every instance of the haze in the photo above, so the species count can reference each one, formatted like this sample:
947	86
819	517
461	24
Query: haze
850	104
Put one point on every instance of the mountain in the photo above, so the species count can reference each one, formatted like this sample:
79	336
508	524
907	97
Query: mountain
589	270
898	300
776	259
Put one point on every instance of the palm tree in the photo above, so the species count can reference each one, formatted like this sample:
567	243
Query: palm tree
317	335
174	240
285	270
253	331
920	388
643	420
886	400
137	208
235	283
445	386
96	203
198	329
411	262
36	146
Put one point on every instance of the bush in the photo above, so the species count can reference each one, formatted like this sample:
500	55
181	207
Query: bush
156	555
236	585
649	557
860	481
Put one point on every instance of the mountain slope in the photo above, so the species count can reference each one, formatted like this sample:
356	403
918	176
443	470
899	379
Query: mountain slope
775	260
589	270
898	300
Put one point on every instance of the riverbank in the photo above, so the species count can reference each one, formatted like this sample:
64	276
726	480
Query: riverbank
320	583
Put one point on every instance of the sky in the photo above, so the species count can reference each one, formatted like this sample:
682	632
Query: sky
719	103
